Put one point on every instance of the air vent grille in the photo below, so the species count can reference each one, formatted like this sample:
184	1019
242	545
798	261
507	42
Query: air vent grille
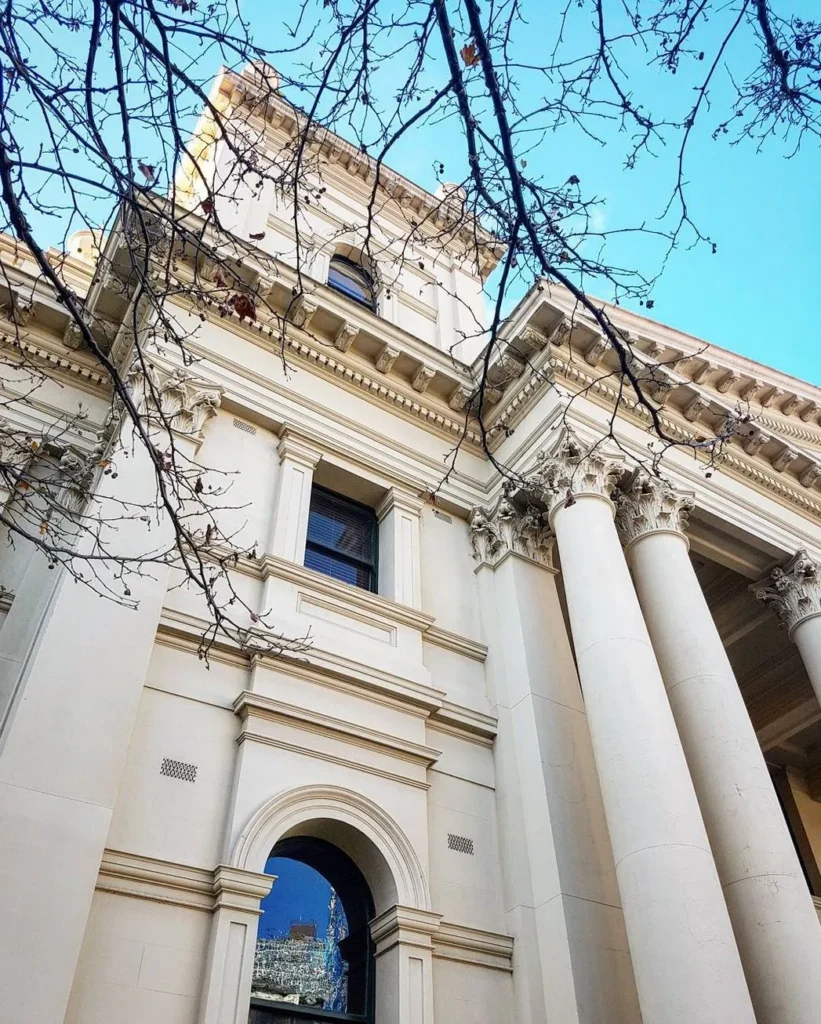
249	428
178	770
443	516
460	843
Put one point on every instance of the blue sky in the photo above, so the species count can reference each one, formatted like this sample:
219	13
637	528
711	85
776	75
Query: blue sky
757	294
300	895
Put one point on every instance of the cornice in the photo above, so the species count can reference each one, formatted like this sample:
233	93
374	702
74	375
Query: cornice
464	722
50	351
181	885
353	372
354	763
456	643
250	705
604	390
350	597
474	946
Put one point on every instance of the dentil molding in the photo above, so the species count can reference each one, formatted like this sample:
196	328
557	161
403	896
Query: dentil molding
792	591
651	505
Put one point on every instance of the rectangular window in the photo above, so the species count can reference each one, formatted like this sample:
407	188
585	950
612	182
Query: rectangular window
341	539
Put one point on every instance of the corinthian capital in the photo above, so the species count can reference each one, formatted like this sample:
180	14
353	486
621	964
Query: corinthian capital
504	528
173	398
651	505
793	592
571	471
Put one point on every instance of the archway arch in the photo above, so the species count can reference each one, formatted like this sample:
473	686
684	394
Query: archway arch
353	823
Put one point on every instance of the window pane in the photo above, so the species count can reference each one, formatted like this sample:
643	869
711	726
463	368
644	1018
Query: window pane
349	285
336	524
338	568
298	959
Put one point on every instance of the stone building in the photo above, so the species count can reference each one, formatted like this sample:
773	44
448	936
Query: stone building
556	748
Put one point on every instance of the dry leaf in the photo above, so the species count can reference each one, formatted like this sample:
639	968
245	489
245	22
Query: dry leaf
244	307
207	206
256	237
469	55
147	171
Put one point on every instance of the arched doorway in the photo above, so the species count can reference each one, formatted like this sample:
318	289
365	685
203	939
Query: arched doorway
400	921
313	961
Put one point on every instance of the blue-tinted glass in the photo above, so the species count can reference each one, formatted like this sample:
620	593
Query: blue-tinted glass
297	959
338	568
349	532
350	279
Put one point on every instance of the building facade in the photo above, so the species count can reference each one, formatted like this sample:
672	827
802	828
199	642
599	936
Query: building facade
556	746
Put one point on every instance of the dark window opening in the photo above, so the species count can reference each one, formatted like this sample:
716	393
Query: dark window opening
314	954
351	279
341	539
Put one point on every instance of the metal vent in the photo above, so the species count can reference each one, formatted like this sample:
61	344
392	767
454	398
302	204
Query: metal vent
249	428
178	770
443	516
460	843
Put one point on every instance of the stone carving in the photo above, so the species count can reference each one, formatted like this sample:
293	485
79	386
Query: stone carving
703	371
694	408
530	340
790	404
18	310
572	470
650	505
809	410
727	381
754	442
507	368
73	335
785	458
504	528
346	336
460	397
301	311
751	389
560	333
772	396
810	475
178	401
386	358
793	592
596	350
422	378
77	473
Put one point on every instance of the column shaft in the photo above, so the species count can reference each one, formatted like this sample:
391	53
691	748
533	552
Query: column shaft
684	954
770	906
807	638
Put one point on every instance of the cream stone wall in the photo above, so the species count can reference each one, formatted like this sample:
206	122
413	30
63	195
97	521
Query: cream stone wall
451	733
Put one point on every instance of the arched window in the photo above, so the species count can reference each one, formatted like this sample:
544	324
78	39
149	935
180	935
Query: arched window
314	959
350	278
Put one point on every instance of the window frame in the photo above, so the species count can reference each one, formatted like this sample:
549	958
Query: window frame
357	270
372	566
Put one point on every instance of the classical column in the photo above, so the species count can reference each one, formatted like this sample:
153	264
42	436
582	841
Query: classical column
75	683
561	901
794	594
773	917
298	460
684	953
399	555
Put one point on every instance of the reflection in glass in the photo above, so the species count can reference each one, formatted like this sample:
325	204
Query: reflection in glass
298	959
